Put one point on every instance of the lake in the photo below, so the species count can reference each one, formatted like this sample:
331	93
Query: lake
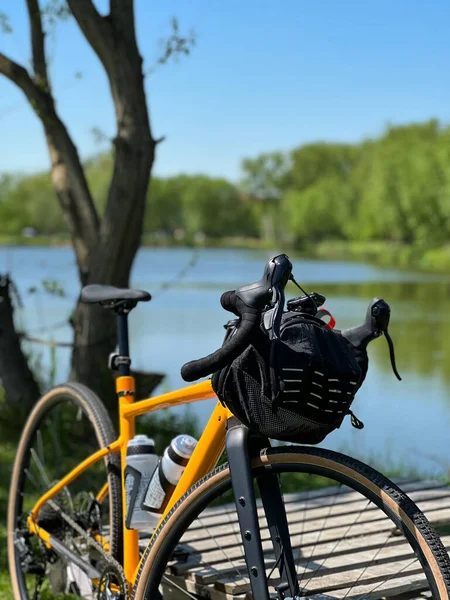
406	423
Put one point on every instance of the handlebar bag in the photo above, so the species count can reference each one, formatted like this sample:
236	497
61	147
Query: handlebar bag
297	388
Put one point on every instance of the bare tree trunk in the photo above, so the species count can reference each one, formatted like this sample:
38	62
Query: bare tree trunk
121	227
105	249
16	378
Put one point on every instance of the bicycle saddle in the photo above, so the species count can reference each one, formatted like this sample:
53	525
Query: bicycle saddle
108	293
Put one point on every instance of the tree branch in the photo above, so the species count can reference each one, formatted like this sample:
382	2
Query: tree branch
20	76
37	45
67	173
96	29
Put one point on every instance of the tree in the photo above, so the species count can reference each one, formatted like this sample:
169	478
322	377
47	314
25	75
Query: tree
105	246
265	179
215	207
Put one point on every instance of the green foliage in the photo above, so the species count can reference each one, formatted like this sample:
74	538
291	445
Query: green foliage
176	44
50	286
266	176
54	11
29	202
394	190
182	205
164	425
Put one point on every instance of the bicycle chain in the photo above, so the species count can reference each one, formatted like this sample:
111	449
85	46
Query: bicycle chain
107	557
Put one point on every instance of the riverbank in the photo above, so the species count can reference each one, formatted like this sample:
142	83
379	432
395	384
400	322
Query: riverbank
386	254
380	253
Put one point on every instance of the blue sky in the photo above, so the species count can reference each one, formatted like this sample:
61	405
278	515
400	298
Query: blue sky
265	75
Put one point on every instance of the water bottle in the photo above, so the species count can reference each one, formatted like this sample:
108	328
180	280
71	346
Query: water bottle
141	462
169	472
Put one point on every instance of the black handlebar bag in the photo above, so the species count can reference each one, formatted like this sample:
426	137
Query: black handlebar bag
297	388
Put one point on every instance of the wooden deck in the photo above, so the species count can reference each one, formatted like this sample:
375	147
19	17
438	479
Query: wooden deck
344	547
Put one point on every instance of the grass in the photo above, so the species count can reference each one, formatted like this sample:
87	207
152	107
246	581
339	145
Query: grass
386	254
7	452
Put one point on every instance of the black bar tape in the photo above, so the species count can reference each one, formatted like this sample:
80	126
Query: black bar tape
228	302
224	356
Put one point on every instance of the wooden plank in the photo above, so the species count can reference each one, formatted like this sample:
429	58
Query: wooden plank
217	538
405	484
417	494
394	567
334	540
209	573
174	588
339	495
337	533
402	583
312	515
325	583
402	576
389	560
360	551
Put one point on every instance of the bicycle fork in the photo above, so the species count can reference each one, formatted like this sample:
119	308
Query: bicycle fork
241	445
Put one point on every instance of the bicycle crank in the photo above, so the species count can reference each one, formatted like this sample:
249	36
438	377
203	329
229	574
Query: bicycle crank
112	585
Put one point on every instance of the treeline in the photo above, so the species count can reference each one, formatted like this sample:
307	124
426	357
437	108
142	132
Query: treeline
183	207
394	188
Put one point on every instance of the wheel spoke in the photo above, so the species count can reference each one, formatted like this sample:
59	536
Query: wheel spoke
219	547
302	527
40	446
179	588
342	556
338	542
40	467
55	438
396	574
32	479
318	538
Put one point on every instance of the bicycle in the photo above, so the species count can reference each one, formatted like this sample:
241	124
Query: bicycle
63	536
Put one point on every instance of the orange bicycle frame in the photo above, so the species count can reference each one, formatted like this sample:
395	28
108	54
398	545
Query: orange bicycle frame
205	457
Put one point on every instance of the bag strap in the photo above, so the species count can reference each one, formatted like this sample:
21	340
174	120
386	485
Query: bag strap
355	421
274	380
322	312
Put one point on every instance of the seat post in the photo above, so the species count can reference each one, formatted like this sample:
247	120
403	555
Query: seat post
122	335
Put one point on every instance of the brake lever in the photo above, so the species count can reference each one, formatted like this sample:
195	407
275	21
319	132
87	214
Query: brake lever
376	324
261	293
277	273
381	314
392	354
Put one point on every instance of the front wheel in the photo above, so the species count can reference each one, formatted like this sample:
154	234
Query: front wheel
354	534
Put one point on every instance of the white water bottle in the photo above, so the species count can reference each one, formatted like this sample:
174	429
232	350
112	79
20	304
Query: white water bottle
169	472
141	462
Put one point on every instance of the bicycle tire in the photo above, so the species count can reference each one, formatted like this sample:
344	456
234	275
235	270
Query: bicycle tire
91	406
372	485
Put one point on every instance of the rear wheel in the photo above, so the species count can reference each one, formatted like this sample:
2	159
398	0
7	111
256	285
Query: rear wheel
67	425
354	534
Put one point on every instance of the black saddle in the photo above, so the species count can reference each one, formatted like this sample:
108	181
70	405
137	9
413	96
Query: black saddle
110	295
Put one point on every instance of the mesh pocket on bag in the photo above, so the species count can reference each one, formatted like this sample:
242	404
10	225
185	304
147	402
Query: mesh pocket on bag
295	389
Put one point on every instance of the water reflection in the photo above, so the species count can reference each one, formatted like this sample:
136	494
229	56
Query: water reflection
420	322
